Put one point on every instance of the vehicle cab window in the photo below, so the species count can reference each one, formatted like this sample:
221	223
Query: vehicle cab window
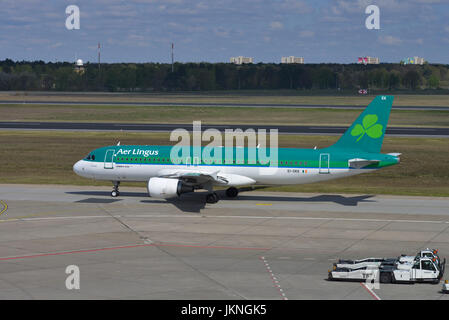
428	265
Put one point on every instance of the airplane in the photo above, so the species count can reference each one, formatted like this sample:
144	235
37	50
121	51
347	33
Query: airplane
357	151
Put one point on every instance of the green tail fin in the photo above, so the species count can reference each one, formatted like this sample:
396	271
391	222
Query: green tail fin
367	132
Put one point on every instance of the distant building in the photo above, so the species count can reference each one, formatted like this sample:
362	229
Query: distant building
292	59
79	66
368	60
241	60
413	60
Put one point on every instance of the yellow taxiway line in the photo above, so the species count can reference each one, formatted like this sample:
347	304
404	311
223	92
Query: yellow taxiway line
5	207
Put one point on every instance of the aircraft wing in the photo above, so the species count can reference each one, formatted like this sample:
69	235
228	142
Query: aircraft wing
198	177
361	163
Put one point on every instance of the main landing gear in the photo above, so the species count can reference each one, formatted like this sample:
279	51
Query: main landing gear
212	198
232	192
115	192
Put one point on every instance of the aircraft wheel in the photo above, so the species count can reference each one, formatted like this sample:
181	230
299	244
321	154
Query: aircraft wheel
232	192
115	192
212	198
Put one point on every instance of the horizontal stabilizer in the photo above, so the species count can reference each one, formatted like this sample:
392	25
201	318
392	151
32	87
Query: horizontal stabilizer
361	163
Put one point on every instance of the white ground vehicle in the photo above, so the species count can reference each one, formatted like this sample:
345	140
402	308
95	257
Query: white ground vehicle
423	269
376	262
423	253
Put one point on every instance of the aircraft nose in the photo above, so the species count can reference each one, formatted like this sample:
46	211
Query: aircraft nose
78	167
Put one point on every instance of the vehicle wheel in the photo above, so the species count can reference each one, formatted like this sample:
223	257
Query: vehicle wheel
114	194
212	198
385	277
232	192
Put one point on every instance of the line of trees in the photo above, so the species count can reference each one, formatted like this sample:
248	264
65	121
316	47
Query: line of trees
61	76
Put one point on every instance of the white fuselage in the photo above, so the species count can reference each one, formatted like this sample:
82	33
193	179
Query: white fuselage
261	175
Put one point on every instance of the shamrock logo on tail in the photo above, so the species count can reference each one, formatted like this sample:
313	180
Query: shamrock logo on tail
370	127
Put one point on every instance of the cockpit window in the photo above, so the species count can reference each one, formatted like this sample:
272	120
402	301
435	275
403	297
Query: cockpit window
90	157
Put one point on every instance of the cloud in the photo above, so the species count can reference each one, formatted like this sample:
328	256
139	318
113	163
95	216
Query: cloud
276	25
221	32
419	41
56	45
306	34
389	40
429	1
297	6
141	30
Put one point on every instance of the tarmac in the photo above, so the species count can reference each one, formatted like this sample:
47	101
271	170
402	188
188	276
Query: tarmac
166	127
261	245
201	105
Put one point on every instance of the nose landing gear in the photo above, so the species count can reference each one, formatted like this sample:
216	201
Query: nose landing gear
115	192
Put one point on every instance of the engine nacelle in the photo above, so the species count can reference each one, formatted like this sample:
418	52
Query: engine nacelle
167	188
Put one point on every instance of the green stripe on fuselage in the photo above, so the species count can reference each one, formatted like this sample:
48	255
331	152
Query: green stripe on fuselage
287	157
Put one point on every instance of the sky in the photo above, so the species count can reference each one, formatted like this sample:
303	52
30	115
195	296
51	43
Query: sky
321	31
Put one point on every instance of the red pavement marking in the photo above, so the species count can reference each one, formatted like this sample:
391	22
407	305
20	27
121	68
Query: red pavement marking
375	296
125	247
273	278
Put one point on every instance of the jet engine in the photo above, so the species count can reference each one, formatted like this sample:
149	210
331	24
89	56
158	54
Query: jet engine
167	188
